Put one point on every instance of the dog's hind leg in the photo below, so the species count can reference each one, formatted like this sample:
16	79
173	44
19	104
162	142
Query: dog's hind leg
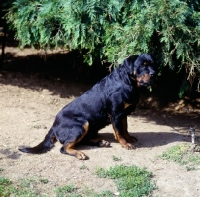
68	147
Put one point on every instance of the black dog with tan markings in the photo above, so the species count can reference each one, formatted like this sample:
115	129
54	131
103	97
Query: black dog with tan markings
107	102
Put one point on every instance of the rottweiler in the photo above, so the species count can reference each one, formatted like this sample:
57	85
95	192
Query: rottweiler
108	102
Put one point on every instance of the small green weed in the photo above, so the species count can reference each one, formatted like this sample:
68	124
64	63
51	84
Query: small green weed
182	155
87	192
4	181
105	194
25	182
68	191
188	168
131	181
116	158
26	188
176	153
1	169
83	167
23	187
44	181
7	188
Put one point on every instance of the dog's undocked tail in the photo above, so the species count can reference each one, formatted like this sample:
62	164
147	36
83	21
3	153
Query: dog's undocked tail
44	146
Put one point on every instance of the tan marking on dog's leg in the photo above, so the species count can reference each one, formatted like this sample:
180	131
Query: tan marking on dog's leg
120	138
69	148
86	128
124	143
71	151
115	135
128	138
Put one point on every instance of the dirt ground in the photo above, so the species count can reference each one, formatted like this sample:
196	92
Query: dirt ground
29	102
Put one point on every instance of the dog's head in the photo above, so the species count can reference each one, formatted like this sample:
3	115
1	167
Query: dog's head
143	68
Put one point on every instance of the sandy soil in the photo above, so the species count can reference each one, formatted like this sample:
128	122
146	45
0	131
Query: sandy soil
28	106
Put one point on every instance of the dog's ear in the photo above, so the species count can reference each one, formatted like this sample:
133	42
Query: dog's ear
129	63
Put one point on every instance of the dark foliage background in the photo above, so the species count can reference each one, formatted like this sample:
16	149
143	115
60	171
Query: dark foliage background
111	30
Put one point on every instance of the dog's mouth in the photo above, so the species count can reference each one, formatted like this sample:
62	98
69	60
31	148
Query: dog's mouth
145	80
144	83
149	82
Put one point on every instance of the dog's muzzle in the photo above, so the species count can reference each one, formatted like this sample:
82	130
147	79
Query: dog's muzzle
150	82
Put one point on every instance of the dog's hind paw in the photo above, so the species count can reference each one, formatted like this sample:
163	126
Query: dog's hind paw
104	143
81	156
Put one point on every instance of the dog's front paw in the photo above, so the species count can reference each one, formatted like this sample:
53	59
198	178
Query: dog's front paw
129	146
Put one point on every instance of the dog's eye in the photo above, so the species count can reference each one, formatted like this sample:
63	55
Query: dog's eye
144	63
151	62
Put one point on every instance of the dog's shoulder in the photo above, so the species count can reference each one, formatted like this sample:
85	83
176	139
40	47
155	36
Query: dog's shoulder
121	88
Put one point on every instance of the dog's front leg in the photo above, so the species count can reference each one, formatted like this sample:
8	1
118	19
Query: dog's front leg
128	137
119	126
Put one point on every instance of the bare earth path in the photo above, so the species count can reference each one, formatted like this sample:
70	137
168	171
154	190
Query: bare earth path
28	106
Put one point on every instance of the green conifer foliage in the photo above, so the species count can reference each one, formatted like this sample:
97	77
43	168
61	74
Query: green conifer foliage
112	29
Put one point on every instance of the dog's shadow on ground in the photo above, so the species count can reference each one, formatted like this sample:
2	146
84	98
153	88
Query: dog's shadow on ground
154	139
146	139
